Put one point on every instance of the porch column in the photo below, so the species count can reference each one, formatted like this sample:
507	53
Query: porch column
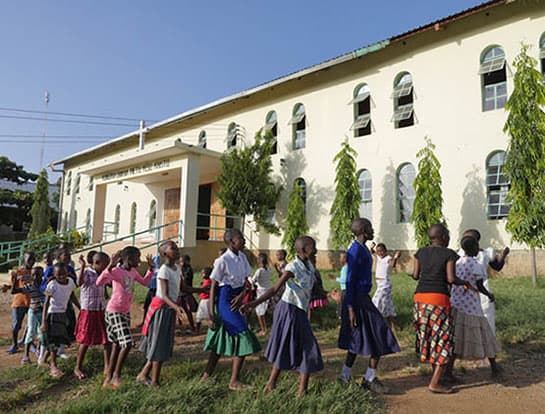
189	200
99	205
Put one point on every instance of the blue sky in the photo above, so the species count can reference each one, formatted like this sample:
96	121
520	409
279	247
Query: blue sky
151	60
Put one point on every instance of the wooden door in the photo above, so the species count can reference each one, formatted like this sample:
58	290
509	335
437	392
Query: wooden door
171	213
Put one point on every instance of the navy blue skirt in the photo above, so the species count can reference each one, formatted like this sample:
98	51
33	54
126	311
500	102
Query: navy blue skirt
233	322
292	345
372	335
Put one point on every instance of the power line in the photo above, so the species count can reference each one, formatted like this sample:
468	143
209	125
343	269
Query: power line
32	111
51	136
71	121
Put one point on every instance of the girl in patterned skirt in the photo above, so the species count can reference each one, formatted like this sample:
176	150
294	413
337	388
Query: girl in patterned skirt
292	345
473	336
434	268
382	298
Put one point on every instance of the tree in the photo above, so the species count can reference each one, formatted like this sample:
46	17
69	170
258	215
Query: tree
41	210
246	182
428	201
296	219
14	203
345	207
525	157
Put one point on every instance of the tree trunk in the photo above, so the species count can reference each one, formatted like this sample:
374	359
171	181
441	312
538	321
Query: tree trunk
534	267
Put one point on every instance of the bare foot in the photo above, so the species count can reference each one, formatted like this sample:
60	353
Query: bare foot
301	394
116	382
268	389
106	383
441	390
55	372
42	364
205	377
79	374
239	386
142	379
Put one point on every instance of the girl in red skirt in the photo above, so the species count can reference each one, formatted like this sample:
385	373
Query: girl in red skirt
90	326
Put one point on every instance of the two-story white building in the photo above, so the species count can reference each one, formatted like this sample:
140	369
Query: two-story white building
447	80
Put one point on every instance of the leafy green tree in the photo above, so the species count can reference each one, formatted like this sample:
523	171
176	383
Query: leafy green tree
41	210
14	203
246	183
345	207
296	219
428	201
525	158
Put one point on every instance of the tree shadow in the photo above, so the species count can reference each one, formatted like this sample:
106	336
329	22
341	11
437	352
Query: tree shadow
473	210
395	235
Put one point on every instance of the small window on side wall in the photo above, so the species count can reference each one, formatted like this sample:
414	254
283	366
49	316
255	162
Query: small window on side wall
365	185
232	136
405	192
493	78
202	139
271	127
362	111
542	53
497	187
132	223
403	96
299	126
68	183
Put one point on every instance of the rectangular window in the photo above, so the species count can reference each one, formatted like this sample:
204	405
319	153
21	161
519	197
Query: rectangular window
495	96
300	139
497	205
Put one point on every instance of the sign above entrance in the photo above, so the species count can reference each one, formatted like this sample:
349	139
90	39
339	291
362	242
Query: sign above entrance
136	170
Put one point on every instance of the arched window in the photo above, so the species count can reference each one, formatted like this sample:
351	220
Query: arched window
405	192
365	185
132	223
271	126
362	111
302	186
78	184
91	183
497	186
299	126
542	53
403	97
232	135
202	139
68	183
117	219
493	78
152	214
88	221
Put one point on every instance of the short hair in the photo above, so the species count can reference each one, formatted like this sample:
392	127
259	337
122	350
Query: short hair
263	258
131	251
382	246
91	256
470	246
60	267
165	245
186	258
283	252
359	224
302	241
207	270
437	231
473	233
230	234
102	256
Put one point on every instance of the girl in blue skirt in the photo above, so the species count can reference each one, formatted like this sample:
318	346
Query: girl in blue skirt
229	334
292	345
363	329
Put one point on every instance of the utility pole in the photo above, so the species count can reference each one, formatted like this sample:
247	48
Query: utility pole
42	149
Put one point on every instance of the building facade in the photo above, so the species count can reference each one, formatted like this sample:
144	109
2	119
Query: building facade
447	81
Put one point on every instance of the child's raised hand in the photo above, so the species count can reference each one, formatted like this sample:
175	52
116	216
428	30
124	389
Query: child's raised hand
397	255
505	252
149	259
81	261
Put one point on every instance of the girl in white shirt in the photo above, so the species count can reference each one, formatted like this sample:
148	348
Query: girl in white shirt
262	281
382	298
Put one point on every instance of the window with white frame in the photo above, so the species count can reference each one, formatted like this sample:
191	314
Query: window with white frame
497	186
88	221
365	185
493	78
299	126
65	222
271	127
202	139
362	111
403	96
232	135
78	184
405	192
117	219
91	183
542	53
152	214
132	222
68	183
302	186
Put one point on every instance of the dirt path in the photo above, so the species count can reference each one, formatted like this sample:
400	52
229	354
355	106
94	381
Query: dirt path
521	391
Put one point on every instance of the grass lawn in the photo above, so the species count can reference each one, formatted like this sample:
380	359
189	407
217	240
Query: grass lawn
520	319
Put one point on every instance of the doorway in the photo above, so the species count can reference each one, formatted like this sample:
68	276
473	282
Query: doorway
171	213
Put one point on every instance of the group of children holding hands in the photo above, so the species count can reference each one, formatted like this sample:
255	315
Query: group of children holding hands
449	322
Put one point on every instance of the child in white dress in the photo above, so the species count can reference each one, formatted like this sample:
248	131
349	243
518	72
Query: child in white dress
262	281
382	298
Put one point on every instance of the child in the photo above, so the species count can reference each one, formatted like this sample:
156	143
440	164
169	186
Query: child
363	329
118	317
292	345
261	280
186	300
318	296
229	334
434	268
487	258
59	293
152	287
473	336
202	311
341	280
34	319
279	266
21	301
158	329
382	298
90	326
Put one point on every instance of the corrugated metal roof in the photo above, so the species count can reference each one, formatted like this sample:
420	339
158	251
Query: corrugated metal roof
298	74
